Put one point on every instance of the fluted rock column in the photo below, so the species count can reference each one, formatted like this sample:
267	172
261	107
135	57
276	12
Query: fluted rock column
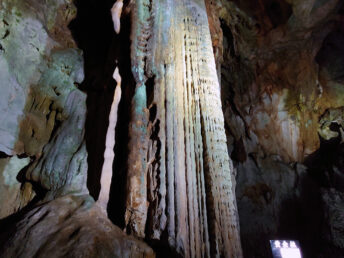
179	178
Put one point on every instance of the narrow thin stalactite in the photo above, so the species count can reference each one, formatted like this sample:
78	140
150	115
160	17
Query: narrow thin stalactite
109	155
116	12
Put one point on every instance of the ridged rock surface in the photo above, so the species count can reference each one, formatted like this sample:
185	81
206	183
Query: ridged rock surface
70	226
179	177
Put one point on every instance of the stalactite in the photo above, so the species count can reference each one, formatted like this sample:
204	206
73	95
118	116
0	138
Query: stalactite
116	12
179	171
136	201
105	181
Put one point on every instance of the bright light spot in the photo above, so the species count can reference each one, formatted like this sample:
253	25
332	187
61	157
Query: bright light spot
292	244
285	249
290	253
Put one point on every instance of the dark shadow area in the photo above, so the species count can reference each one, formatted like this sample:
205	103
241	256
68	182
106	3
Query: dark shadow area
37	188
92	30
161	248
279	11
330	56
3	155
301	218
103	50
322	163
8	224
116	206
267	14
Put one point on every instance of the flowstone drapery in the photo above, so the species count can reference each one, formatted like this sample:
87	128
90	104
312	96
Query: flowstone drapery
179	176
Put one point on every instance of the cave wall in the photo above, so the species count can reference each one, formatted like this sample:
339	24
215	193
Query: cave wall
277	67
40	65
178	177
46	209
281	80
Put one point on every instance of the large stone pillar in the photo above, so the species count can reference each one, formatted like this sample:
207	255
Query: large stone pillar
179	177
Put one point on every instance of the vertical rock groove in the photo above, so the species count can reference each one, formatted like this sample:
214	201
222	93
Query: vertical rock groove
179	171
136	203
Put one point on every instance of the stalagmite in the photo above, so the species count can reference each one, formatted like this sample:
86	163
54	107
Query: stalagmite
109	155
116	12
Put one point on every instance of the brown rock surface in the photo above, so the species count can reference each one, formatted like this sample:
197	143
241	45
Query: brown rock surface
70	226
180	181
282	95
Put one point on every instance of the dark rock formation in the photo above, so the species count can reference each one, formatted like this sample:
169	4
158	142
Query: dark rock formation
282	98
70	226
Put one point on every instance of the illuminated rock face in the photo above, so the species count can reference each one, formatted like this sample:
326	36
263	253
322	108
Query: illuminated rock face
179	169
179	186
45	207
282	95
42	111
167	178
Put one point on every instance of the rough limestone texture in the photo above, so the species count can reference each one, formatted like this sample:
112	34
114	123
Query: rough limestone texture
282	72
39	67
62	168
266	188
334	213
26	44
179	177
14	195
45	207
70	226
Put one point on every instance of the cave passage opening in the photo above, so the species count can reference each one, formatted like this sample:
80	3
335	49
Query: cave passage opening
103	51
